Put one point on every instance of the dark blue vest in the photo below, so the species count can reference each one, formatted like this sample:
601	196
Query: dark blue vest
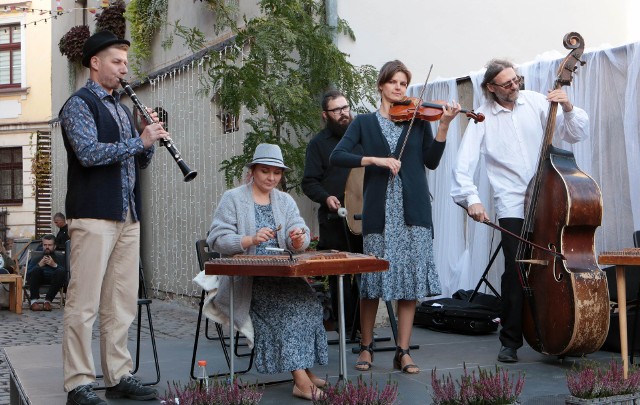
96	191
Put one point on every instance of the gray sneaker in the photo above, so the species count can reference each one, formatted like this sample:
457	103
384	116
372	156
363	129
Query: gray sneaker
130	387
84	395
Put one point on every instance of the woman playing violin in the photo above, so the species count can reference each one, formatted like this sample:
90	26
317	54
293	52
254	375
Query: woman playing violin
396	217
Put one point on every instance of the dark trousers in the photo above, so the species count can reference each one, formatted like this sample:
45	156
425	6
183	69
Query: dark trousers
334	235
39	277
511	288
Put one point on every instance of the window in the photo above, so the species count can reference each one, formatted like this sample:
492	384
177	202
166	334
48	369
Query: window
11	175
10	56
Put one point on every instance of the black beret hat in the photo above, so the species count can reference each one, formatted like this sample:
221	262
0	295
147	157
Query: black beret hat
97	42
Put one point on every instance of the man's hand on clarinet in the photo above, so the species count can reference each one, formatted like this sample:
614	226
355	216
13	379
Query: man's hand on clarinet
153	133
477	212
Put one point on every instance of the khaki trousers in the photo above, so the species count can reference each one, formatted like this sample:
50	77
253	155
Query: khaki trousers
104	280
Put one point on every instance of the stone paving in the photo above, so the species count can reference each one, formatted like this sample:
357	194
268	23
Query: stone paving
171	320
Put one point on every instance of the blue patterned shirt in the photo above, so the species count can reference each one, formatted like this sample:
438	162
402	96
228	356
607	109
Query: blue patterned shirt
82	133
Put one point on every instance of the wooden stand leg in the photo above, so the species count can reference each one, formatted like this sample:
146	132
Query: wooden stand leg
12	296
18	295
622	313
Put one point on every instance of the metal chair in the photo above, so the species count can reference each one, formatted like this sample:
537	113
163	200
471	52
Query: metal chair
203	254
143	299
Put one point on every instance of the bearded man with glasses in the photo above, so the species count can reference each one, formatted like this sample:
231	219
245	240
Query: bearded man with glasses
325	183
509	139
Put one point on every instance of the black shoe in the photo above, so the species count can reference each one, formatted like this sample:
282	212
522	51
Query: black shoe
129	387
507	355
84	395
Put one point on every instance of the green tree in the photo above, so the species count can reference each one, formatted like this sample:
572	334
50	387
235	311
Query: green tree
282	62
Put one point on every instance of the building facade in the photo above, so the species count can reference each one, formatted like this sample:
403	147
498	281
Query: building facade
25	111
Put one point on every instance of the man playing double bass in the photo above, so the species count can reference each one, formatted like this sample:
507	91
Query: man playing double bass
510	140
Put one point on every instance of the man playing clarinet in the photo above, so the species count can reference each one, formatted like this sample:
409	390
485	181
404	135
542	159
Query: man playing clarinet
105	154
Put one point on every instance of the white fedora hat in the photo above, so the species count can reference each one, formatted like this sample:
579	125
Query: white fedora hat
268	154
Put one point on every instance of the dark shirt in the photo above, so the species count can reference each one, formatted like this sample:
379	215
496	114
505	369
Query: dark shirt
421	152
48	270
321	178
62	237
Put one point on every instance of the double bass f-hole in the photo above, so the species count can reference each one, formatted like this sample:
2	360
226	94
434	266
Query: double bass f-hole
558	276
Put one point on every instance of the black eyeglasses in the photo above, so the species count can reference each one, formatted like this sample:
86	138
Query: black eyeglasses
515	81
340	110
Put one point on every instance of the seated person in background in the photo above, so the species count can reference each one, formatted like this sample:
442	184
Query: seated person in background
63	234
46	267
280	316
7	264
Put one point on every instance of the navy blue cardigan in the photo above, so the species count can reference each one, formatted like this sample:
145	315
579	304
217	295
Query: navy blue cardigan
420	151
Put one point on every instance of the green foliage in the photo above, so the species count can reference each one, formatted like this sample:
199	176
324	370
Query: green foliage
226	13
145	18
282	62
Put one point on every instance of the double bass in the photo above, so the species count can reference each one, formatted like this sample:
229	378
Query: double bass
566	299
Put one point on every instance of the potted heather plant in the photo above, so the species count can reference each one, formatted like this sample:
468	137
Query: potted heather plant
359	393
218	392
487	388
593	383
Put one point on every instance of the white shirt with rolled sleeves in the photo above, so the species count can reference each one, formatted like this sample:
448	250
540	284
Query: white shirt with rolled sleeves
510	142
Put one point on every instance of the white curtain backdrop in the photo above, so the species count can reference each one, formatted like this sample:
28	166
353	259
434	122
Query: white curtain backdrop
607	88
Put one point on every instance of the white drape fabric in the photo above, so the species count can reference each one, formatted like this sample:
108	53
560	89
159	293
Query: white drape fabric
607	87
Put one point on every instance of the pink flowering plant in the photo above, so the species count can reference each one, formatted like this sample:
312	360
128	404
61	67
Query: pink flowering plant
358	393
592	380
219	393
483	388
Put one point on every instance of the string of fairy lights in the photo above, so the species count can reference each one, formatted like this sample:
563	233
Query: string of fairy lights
178	213
49	15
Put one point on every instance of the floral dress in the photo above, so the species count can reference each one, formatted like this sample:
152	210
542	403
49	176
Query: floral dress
286	316
412	272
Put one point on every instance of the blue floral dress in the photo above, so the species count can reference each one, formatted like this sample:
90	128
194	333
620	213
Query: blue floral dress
286	316
412	272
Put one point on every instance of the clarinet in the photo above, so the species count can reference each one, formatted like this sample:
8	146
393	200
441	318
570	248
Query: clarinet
186	171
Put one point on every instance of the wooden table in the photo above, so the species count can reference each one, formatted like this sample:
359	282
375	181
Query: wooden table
325	263
15	291
620	259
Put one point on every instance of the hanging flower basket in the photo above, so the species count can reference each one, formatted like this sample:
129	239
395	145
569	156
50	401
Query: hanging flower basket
112	19
72	42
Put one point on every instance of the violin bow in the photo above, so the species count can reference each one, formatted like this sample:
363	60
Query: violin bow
415	113
518	237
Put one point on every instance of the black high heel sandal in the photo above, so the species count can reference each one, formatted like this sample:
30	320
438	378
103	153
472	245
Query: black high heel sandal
365	365
397	362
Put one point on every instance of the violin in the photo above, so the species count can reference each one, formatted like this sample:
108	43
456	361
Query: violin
427	111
